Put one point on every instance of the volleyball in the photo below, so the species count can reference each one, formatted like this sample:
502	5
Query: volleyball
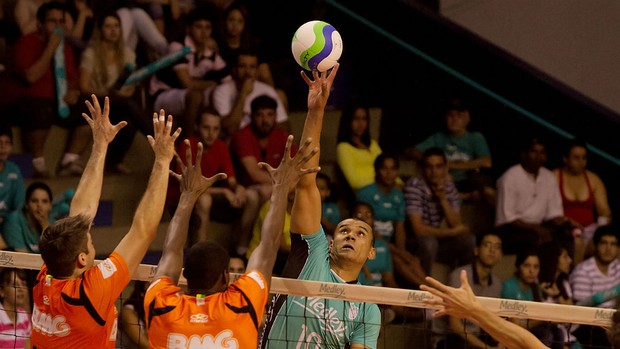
316	45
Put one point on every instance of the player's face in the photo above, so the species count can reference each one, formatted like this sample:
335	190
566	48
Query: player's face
54	19
607	249
352	241
39	203
489	252
457	121
359	124
6	146
235	23
564	262
577	160
200	32
246	68
209	129
388	172
15	291
111	29
263	121
529	269
435	169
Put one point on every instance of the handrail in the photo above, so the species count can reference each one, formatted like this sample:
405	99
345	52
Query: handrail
467	80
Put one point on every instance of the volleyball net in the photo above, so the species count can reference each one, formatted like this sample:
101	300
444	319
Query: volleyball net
407	320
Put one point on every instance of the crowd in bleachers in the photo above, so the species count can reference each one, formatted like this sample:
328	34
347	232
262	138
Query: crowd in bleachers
222	94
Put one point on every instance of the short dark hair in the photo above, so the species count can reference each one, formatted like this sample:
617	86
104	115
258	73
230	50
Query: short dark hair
205	263
204	12
61	243
49	6
455	103
528	143
380	159
263	102
6	130
605	230
38	185
480	236
432	151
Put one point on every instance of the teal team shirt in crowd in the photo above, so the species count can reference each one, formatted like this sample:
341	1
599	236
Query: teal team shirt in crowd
388	208
309	322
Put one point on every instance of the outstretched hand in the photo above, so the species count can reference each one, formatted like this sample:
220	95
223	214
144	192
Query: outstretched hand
99	121
460	302
290	169
162	141
191	179
320	88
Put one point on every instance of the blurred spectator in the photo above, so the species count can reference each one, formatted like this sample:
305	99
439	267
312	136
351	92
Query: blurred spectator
232	98
330	212
103	71
133	333
12	188
35	55
529	204
469	158
260	141
584	196
236	264
184	88
25	226
14	315
226	198
434	212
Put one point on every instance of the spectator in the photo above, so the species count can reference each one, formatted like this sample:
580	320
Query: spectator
24	227
433	210
12	188
584	196
236	265
524	286
596	274
227	198
529	206
484	283
133	333
185	88
101	73
34	57
260	141
233	98
356	151
555	266
14	315
469	158
330	212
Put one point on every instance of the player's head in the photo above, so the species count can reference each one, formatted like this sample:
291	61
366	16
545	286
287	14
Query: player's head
605	241
6	142
352	243
67	246
206	267
263	113
51	16
208	126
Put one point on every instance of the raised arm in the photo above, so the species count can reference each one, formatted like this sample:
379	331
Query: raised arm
306	213
193	184
284	178
462	303
88	192
143	228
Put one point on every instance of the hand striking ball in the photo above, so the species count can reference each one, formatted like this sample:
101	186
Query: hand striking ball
316	45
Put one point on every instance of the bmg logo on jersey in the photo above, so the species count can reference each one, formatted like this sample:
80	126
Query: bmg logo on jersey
49	325
223	340
199	318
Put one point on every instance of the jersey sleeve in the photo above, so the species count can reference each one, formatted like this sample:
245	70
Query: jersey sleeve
254	286
104	282
367	332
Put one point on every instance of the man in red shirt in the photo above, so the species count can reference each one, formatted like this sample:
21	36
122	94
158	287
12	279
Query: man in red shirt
261	141
38	108
73	298
212	313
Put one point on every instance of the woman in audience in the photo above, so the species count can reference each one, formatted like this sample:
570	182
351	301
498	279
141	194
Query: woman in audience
524	286
24	227
555	265
584	196
14	304
356	150
102	72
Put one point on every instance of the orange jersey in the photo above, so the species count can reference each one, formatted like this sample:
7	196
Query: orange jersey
79	313
228	319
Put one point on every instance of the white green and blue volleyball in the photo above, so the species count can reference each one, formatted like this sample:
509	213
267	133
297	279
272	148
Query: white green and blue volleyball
316	45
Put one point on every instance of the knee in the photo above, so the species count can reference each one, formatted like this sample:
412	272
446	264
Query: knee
203	204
